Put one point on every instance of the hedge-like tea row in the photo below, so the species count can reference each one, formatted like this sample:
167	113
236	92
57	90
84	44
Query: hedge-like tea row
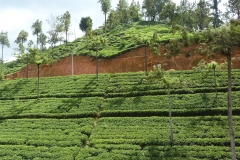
51	106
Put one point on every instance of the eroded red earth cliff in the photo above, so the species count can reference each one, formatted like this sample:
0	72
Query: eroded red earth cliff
132	61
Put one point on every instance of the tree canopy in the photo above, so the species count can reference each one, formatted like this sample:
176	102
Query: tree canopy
83	23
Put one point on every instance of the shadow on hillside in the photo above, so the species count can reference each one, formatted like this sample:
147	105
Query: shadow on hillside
10	90
92	82
117	103
156	153
14	110
68	104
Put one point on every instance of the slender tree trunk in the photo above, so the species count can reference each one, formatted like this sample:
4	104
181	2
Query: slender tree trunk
52	51
2	53
230	118
66	37
170	117
37	40
27	67
97	63
215	79
38	65
145	56
105	23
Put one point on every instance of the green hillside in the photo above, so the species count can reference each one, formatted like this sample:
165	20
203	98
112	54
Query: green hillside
119	41
116	116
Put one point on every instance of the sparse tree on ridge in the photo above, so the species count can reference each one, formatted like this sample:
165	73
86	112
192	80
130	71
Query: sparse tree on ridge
148	5
4	41
170	12
134	10
42	40
122	11
234	7
65	20
83	23
54	32
187	13
37	29
22	37
89	29
216	20
111	20
105	5
202	14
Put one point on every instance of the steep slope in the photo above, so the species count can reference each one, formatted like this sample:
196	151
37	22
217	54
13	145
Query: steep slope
132	61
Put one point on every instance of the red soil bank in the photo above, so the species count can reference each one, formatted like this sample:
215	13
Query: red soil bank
132	61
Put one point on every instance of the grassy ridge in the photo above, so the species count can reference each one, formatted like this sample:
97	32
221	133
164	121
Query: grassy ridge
117	116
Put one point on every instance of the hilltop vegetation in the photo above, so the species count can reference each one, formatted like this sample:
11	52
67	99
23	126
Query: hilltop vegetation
116	116
119	41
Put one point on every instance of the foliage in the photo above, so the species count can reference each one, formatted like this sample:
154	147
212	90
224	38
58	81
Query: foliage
4	41
83	23
105	5
65	21
37	29
22	37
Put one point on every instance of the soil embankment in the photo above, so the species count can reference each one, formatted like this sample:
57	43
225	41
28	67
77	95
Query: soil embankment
132	61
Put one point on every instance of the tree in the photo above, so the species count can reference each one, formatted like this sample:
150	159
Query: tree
53	39
97	43
22	37
65	20
154	8
205	68
4	41
42	40
168	81
54	32
105	5
134	10
111	20
202	14
83	23
234	7
170	12
123	12
215	66
37	58
37	29
152	42
148	5
216	20
225	38
89	29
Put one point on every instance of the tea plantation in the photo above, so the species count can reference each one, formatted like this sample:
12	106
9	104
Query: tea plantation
117	116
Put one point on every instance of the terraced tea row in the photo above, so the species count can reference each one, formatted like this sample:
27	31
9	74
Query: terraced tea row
81	107
144	138
184	104
43	138
71	86
112	85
